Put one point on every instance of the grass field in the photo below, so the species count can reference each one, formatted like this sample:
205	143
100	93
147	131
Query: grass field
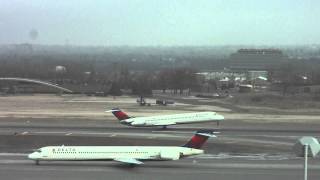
88	107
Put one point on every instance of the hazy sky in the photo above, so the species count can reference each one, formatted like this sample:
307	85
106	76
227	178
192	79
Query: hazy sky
161	22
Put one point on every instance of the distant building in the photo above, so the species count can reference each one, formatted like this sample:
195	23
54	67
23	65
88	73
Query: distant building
256	59
23	48
253	75
219	75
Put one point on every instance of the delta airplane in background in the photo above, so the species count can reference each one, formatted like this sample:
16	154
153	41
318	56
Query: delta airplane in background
166	120
132	155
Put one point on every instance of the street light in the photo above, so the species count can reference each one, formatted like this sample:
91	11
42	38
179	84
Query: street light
308	147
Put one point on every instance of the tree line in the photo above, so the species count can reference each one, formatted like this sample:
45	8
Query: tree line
85	69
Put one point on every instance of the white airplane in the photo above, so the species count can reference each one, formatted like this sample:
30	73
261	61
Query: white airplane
166	120
132	155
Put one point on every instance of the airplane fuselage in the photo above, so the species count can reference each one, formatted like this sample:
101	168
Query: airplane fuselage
113	152
163	120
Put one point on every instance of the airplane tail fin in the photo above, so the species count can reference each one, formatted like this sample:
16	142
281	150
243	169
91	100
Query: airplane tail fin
199	139
119	114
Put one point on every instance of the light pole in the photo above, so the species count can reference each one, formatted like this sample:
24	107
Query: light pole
305	167
302	148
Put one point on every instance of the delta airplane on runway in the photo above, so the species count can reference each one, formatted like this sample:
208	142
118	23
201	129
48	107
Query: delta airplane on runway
166	120
132	155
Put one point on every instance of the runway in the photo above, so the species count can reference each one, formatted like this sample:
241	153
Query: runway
251	151
23	135
229	127
16	166
235	154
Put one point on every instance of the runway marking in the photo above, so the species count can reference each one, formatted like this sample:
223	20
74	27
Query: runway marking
13	154
24	133
244	156
256	141
194	161
51	132
204	156
169	134
10	163
175	132
89	165
66	133
93	101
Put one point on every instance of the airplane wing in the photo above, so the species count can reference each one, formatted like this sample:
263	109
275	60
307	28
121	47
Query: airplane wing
164	123
128	160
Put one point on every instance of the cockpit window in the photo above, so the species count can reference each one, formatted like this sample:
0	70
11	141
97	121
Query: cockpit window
38	150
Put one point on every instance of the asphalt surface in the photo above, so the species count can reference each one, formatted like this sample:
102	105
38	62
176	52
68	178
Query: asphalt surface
232	138
249	151
16	166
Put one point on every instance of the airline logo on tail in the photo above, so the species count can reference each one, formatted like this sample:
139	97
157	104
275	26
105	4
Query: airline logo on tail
119	114
199	139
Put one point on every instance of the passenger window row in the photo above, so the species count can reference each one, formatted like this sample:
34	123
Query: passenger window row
65	152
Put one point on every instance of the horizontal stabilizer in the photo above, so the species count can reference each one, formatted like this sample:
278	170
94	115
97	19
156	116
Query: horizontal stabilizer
128	160
206	134
113	110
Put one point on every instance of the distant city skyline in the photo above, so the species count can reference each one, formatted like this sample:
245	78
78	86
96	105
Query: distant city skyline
160	22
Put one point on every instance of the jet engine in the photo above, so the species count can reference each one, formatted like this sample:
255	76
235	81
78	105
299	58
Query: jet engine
138	123
169	155
126	121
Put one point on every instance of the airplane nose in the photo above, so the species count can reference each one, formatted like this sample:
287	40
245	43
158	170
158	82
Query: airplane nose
30	156
220	117
34	155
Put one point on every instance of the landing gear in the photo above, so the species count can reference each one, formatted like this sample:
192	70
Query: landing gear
37	162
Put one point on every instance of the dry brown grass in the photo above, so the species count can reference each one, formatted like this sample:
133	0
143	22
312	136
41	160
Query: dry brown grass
297	101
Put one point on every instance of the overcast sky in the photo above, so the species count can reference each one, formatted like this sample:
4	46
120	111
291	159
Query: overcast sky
161	22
